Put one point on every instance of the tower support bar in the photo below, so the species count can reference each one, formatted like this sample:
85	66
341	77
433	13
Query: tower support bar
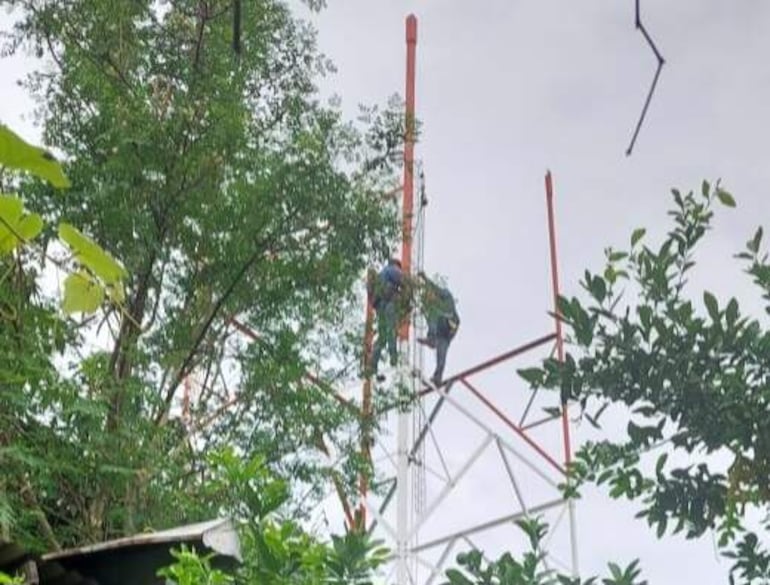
487	525
403	555
560	357
485	365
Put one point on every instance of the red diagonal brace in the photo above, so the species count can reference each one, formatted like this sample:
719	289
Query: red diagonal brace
514	427
492	362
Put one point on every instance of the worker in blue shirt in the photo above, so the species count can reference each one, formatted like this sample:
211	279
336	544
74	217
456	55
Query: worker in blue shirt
386	290
440	311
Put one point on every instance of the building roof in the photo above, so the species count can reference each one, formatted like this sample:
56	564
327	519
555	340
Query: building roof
132	560
219	535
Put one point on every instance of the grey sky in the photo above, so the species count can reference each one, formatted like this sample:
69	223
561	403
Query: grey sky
507	89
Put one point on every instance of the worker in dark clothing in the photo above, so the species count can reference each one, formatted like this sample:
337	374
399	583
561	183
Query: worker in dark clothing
440	311
386	290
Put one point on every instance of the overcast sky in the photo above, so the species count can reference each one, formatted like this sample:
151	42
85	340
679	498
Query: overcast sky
507	89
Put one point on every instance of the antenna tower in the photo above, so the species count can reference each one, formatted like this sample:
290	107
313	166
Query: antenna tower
481	451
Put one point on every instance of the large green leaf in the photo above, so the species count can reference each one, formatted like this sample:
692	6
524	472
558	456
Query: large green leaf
91	255
8	580
16	226
711	305
532	375
637	235
457	578
82	294
17	154
725	198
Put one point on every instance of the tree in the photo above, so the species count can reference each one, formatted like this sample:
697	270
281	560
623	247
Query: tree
276	550
33	330
228	191
692	373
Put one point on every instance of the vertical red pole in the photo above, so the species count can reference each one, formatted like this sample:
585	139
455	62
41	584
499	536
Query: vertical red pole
406	246
556	293
408	203
406	252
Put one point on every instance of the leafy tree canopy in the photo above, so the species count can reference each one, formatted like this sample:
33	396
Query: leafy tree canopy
227	190
692	372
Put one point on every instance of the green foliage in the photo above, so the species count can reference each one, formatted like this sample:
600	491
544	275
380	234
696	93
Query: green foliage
31	333
82	293
227	190
190	568
531	568
15	153
288	557
8	580
693	377
16	226
353	558
96	262
276	550
193	569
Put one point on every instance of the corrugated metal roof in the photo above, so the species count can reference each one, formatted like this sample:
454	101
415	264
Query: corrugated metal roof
13	559
67	567
219	535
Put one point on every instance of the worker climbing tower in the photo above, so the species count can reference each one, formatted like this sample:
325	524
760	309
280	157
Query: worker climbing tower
460	464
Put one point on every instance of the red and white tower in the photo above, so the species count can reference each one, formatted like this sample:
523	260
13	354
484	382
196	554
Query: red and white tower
482	451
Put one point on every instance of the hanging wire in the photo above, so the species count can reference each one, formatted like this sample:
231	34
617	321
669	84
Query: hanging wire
421	349
417	354
640	26
237	14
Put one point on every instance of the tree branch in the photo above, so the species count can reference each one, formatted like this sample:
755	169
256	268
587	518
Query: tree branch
28	494
185	368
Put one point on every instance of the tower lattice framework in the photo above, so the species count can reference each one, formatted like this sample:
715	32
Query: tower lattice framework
470	458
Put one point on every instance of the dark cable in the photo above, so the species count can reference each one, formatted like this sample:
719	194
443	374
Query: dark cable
237	27
640	26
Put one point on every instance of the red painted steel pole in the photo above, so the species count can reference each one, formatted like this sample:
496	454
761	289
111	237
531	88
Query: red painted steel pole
556	293
408	200
406	246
